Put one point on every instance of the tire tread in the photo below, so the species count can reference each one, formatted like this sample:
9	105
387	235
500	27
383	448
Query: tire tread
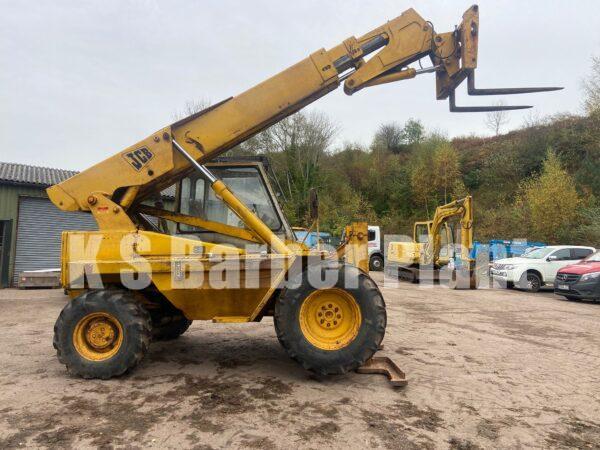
286	338
136	317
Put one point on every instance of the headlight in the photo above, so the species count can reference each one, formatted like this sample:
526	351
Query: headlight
509	266
590	276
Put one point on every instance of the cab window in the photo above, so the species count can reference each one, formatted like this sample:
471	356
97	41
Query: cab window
445	239
422	233
199	200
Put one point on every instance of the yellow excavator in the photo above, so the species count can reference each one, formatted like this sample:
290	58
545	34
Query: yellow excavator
433	247
233	257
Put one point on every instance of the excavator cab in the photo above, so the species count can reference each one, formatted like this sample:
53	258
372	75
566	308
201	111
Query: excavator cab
445	239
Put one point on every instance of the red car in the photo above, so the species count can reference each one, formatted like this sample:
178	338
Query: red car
581	280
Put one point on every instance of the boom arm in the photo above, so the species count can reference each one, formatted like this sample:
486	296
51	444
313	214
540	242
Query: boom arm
463	209
113	188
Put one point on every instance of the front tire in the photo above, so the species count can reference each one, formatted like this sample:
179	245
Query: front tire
102	334
530	282
335	329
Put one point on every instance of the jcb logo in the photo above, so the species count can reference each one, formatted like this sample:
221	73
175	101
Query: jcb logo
138	158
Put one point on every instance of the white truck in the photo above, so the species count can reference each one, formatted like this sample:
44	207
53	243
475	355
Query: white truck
375	248
538	267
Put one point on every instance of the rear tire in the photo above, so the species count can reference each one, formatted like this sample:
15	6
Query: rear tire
301	316
376	263
102	334
166	327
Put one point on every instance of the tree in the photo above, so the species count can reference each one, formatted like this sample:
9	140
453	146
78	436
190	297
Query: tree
389	136
396	139
588	232
495	120
296	146
591	88
549	202
446	176
414	132
420	182
191	107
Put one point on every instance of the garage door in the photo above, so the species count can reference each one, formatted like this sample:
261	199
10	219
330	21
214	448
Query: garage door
39	228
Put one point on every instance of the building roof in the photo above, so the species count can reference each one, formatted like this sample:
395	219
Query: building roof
43	177
32	175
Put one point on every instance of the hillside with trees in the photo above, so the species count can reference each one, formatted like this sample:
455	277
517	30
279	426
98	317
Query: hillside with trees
540	182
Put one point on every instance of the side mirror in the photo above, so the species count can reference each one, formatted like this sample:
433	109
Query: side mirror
552	258
313	204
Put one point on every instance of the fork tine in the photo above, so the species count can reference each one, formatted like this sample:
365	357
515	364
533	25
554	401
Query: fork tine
503	91
454	108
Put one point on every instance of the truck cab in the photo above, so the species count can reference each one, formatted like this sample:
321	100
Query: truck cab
376	260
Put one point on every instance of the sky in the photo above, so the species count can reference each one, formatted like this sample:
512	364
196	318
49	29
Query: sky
82	80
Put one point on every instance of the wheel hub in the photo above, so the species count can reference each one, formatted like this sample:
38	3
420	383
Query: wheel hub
98	336
330	318
330	315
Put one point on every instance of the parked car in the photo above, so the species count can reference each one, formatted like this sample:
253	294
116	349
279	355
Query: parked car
581	280
537	267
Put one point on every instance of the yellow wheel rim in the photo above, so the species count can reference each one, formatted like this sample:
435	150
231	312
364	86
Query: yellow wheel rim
330	318
98	336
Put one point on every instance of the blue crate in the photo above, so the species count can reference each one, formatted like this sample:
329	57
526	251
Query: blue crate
499	248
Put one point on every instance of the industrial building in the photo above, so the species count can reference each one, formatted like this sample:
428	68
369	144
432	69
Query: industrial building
30	225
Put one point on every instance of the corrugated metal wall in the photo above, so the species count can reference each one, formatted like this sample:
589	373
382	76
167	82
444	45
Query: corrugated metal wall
39	229
9	210
9	206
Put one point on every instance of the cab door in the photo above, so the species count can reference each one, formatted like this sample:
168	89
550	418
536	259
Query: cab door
555	261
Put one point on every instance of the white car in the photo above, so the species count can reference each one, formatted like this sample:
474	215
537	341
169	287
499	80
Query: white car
537	267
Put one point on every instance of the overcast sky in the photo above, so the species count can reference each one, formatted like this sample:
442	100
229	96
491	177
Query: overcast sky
82	80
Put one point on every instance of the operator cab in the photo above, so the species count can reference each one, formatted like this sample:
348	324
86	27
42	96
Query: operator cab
248	180
422	233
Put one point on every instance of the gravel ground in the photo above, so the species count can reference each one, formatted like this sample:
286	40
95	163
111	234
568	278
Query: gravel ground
486	368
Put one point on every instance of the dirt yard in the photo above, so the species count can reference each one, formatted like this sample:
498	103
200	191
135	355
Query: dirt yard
486	368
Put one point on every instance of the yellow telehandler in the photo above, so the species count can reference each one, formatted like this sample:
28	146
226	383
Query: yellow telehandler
433	247
233	257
